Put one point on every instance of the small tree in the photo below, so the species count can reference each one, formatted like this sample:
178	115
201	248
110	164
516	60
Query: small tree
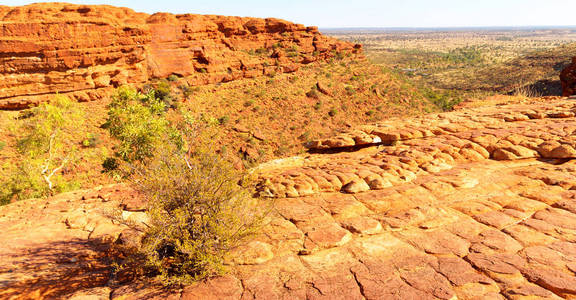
47	146
138	121
198	204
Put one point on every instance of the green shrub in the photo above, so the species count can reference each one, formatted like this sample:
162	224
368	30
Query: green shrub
350	90
110	164
261	51
443	99
163	91
198	204
305	137
2	145
199	208
138	121
292	54
47	148
173	77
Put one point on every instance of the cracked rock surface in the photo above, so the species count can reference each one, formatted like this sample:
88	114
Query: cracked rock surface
474	204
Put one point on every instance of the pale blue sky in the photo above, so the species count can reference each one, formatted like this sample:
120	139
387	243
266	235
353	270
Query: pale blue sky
370	13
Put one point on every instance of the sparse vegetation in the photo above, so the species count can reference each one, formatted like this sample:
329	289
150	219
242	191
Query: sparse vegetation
270	105
470	61
445	100
47	147
187	91
199	205
138	121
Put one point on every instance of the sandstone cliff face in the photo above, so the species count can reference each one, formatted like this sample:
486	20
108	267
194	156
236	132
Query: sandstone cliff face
86	50
568	79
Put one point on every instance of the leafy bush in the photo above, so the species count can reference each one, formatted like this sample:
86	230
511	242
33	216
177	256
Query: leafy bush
138	121
110	164
163	91
198	204
443	99
47	147
197	211
2	145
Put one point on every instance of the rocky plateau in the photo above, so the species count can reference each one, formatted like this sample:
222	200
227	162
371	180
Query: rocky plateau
472	204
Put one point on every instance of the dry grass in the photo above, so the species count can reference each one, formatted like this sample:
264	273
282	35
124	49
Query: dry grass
261	118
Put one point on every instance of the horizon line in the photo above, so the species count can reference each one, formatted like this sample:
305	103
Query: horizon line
449	27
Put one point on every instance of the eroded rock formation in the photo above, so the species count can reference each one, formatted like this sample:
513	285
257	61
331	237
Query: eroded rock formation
476	204
85	50
568	79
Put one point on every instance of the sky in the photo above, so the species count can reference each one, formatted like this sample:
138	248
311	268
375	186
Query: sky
369	13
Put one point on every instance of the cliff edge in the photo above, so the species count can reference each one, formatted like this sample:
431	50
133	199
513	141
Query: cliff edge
85	50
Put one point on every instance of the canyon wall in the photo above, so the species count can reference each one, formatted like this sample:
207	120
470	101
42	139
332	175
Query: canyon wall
85	51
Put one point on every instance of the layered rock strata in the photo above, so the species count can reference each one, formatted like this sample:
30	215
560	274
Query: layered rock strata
84	51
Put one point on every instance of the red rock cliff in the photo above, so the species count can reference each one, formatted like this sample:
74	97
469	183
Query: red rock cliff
84	51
